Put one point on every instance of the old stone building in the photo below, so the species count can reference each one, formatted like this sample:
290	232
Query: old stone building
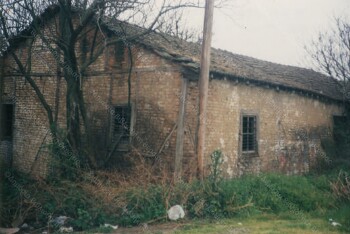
263	116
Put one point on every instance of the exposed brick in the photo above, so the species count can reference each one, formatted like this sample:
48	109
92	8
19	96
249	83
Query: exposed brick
290	125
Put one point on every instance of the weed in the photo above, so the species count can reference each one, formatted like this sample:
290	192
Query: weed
121	200
341	186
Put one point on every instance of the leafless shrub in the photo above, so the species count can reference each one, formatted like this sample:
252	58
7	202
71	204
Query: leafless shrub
341	187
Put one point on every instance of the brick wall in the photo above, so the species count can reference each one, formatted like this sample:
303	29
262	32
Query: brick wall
31	136
154	85
6	152
290	126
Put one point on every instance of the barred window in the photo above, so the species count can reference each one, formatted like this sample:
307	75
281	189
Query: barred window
249	132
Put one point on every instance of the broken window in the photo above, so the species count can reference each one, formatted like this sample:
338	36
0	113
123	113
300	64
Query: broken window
122	126
249	132
7	121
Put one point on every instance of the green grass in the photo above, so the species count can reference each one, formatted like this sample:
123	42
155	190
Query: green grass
266	223
259	224
268	203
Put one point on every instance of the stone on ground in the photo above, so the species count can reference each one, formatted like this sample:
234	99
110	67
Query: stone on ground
176	212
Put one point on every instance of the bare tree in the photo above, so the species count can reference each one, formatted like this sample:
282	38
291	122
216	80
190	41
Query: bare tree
26	19
331	54
3	44
173	25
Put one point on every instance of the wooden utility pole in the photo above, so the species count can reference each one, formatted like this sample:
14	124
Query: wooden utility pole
2	156
203	84
180	132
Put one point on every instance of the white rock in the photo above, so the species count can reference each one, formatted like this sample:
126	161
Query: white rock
335	224
60	220
176	212
111	226
66	229
24	226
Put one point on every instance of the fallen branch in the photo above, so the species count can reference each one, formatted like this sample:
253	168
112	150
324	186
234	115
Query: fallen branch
233	209
166	139
162	146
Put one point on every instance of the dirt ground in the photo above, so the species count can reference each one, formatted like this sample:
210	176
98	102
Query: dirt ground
169	228
164	228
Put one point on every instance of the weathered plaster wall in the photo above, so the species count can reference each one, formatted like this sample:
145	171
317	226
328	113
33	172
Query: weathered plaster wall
290	127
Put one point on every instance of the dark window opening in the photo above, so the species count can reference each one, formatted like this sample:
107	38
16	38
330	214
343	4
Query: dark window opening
339	129
84	49
122	125
119	53
7	121
249	134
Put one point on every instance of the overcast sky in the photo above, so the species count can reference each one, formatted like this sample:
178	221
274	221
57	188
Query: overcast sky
273	30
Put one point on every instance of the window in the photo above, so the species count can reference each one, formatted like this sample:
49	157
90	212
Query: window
6	121
122	126
249	132
339	124
119	53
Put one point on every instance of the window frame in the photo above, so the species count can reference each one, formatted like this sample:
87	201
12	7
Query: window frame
243	115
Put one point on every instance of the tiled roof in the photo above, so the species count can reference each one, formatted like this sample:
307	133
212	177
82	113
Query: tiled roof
233	65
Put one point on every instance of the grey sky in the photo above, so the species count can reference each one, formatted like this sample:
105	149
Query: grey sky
273	30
